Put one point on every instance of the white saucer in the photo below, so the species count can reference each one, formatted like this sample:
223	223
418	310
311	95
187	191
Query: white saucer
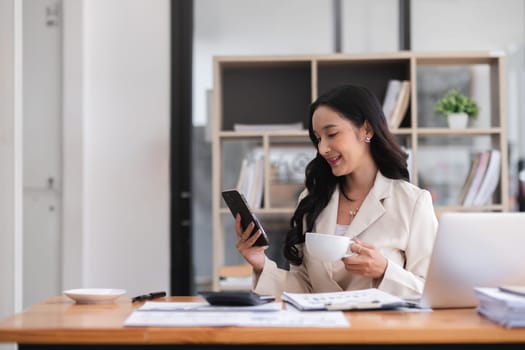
94	295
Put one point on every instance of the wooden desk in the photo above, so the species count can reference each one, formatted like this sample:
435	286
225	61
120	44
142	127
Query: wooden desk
59	321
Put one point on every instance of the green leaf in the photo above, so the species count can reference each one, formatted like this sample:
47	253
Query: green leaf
455	102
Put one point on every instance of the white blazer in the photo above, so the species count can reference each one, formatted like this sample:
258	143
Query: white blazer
396	217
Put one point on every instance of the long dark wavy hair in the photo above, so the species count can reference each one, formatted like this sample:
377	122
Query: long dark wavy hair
358	105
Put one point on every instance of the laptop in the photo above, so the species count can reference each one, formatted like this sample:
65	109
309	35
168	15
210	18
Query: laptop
474	250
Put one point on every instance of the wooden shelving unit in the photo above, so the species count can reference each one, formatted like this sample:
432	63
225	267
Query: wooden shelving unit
279	89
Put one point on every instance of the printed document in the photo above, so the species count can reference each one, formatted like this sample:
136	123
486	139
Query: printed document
365	299
283	318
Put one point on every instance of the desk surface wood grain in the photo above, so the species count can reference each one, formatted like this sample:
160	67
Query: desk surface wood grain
59	320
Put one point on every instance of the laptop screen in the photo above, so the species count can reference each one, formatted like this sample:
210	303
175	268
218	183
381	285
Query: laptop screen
474	250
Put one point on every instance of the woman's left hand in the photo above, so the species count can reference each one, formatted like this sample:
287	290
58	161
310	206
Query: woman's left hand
368	262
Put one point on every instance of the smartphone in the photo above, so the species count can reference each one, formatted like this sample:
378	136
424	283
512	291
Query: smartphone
237	204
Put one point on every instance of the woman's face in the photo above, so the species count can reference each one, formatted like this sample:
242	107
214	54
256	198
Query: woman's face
340	142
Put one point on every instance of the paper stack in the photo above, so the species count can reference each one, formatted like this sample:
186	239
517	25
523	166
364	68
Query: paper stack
502	306
365	299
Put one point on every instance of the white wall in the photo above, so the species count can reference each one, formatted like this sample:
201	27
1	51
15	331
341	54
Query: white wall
72	144
123	199
466	24
10	160
116	147
370	26
42	143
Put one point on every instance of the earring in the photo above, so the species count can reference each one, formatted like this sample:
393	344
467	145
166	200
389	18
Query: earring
367	139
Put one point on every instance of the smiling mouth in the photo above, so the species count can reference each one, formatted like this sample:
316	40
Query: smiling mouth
333	160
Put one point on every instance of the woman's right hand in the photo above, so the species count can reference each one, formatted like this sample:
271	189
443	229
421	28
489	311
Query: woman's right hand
254	255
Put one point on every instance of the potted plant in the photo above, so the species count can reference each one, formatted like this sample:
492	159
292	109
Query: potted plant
457	108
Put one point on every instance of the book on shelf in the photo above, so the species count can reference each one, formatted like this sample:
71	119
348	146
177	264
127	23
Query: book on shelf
470	176
478	177
490	179
395	103
504	308
268	127
246	175
243	182
401	105
251	179
287	165
364	299
392	91
255	194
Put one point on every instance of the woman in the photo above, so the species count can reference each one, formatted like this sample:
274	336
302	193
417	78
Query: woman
357	185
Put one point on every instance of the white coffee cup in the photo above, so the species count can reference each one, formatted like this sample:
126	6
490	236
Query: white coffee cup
327	247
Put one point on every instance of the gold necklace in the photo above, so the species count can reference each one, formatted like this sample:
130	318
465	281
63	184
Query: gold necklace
353	212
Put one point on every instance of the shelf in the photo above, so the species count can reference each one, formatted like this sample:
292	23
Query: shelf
458	132
250	134
458	208
402	131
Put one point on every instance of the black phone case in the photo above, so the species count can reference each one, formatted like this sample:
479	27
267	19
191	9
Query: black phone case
235	298
237	204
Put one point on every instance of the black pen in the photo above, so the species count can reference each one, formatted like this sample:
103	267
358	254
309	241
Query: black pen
148	296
